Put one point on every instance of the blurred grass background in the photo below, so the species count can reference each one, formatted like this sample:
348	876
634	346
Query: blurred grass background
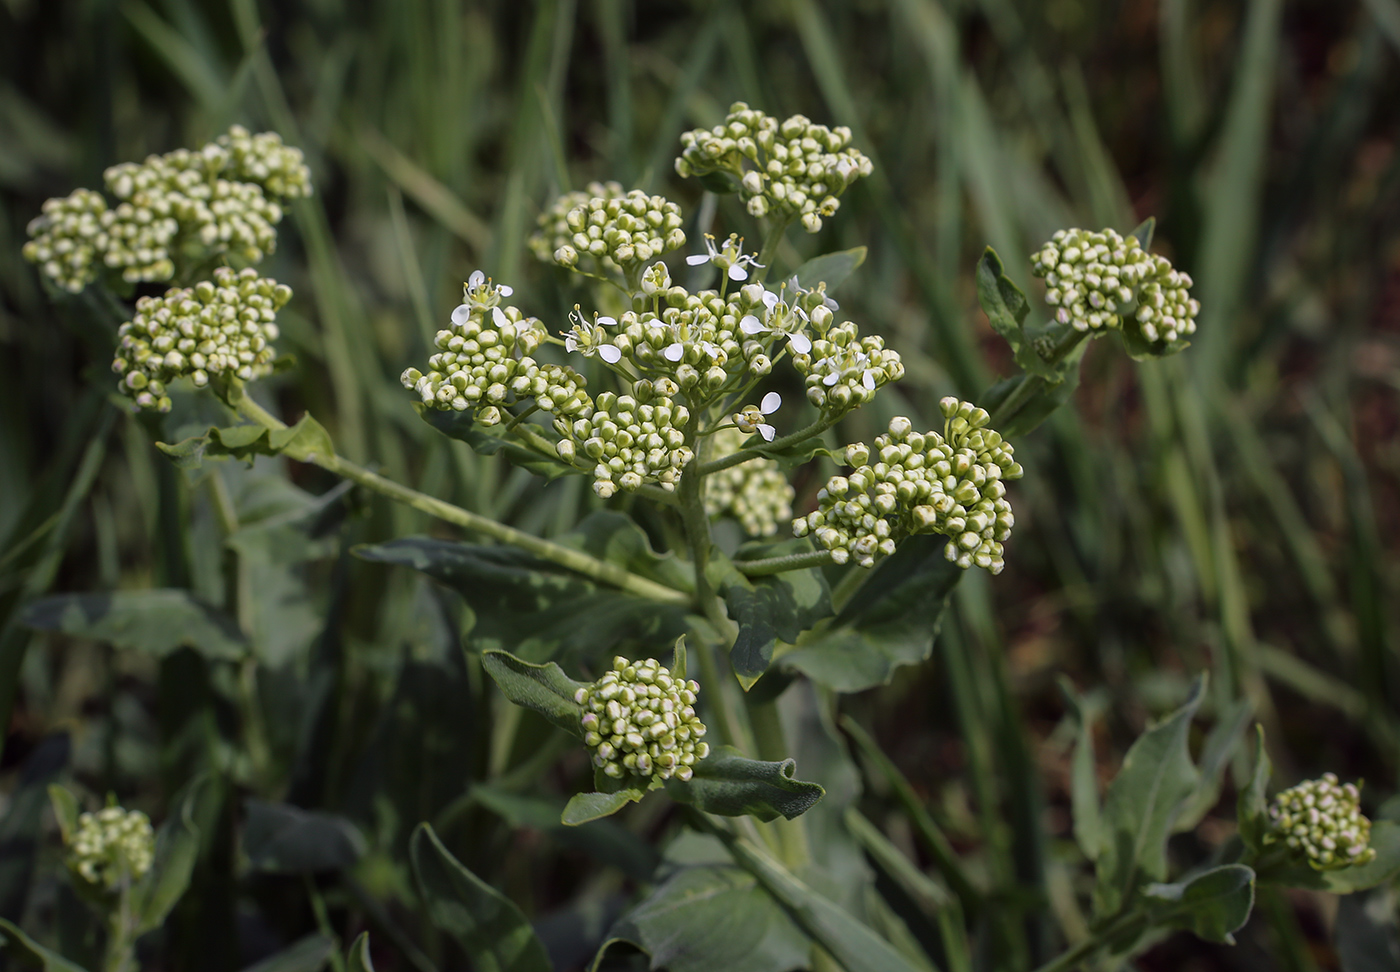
1236	508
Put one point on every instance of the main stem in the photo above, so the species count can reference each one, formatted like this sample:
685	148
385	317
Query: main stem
564	556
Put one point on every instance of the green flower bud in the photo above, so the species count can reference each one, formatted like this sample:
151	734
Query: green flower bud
1321	821
639	720
755	493
111	848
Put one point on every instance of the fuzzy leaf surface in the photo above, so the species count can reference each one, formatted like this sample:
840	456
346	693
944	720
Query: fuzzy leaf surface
733	785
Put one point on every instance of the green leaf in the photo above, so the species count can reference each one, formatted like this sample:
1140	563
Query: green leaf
831	269
889	622
1252	806
177	847
487	924
303	441
604	840
1214	905
585	807
462	427
534	609
544	688
65	810
1144	230
157	621
17	943
357	959
1038	405
1002	301
1220	746
309	954
617	539
306	441
1142	802
1084	785
282	839
773	608
712	917
1385	839
678	658
854	946
733	785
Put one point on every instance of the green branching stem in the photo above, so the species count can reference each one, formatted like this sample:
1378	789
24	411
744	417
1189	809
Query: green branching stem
1123	927
770	245
777	565
782	442
1034	384
575	560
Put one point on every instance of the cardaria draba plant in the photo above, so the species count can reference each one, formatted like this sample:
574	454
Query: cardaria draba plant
640	720
111	848
1321	821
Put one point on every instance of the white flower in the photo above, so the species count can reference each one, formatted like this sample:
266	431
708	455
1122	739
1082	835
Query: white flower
588	339
730	257
751	418
780	317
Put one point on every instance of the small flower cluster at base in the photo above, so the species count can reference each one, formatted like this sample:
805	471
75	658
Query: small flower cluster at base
1323	820
755	493
223	198
631	440
639	720
111	846
554	232
626	231
483	359
844	370
798	169
223	327
1104	281
948	483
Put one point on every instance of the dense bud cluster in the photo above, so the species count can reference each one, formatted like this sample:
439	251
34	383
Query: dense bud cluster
1101	281
1322	819
222	199
755	493
224	327
111	846
640	720
920	483
621	232
629	440
483	359
554	232
844	370
795	169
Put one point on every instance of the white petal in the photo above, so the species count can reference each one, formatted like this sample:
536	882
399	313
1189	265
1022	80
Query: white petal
831	303
770	299
476	279
695	259
607	322
609	353
868	380
461	313
770	403
800	343
674	352
767	431
737	272
794	283
570	343
499	317
506	291
831	379
751	325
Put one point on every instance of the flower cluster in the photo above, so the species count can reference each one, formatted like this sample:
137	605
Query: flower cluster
920	483
621	232
1100	281
222	199
483	360
638	719
1323	819
224	327
755	493
844	370
111	846
796	169
554	232
629	440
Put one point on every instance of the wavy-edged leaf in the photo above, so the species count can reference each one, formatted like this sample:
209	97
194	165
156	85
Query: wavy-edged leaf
485	923
15	942
462	427
712	917
775	608
544	688
733	785
1143	800
1385	839
282	839
1213	905
304	441
831	269
156	621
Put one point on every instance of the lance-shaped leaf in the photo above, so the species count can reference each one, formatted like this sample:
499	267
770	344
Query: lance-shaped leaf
771	609
733	785
544	688
831	269
1084	785
712	917
14	942
1214	904
1385	841
177	847
156	621
584	808
1142	802
1251	808
309	954
282	839
305	441
1002	301
358	960
1215	755
485	923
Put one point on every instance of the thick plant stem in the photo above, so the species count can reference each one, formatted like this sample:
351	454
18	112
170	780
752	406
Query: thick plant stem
576	560
744	455
777	565
792	844
1032	384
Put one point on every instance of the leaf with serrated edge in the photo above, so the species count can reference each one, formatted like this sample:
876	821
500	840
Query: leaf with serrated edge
732	785
544	688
